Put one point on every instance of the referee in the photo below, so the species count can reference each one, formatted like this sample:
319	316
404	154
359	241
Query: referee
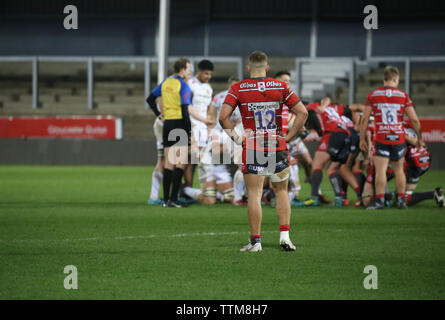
176	98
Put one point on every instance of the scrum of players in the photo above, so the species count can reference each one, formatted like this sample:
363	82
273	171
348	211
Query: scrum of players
361	146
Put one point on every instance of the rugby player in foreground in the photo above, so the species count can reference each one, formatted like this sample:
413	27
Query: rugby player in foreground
260	100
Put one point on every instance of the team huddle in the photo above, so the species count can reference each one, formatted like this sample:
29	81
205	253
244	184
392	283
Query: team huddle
248	144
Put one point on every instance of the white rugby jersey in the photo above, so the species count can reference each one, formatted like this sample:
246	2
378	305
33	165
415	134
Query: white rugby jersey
201	99
217	102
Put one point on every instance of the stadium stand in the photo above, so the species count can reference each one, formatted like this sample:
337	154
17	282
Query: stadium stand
118	90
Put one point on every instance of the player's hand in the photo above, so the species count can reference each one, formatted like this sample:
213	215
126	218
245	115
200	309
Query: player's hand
420	144
210	122
363	146
239	140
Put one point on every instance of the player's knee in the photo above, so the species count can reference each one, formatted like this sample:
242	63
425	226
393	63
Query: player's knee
210	192
229	194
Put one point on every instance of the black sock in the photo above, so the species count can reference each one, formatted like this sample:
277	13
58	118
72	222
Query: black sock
316	178
166	181
176	180
336	184
344	188
420	196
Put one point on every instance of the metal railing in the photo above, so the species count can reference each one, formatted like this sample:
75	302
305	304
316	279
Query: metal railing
90	60
353	61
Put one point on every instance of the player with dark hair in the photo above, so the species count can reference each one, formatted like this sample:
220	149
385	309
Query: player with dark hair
260	100
201	99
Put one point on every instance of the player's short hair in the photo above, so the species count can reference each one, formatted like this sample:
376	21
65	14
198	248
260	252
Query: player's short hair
390	73
281	73
233	78
258	59
180	64
205	65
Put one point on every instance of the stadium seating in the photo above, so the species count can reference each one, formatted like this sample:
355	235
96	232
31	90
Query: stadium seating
119	89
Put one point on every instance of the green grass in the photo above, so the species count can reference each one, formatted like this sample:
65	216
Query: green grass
96	218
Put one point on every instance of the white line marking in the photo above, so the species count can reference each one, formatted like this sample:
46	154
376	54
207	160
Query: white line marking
149	236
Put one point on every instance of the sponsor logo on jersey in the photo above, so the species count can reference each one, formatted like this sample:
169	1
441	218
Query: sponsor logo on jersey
246	85
255	168
256	106
392	137
396	127
273	84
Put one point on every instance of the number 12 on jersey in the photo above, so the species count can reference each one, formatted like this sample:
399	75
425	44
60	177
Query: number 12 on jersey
265	119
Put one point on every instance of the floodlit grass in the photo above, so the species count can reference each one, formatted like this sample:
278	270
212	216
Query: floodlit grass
97	219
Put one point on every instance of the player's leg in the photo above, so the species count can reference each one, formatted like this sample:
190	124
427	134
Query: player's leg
224	183
157	175
294	184
239	187
254	184
180	161
280	183
397	159
167	174
156	180
320	158
304	158
380	165
347	175
357	170
336	182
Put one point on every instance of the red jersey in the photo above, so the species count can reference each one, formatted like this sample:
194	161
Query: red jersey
388	105
285	117
261	102
330	119
417	158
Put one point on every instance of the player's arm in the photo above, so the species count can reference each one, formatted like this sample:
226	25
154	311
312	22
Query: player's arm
415	122
211	113
369	141
152	99
300	110
364	125
195	114
227	124
411	140
356	109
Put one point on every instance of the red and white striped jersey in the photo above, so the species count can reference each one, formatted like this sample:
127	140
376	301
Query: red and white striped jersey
261	102
388	105
331	118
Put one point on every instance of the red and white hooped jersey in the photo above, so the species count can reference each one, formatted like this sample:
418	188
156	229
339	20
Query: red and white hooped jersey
285	116
388	105
331	119
261	102
417	157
